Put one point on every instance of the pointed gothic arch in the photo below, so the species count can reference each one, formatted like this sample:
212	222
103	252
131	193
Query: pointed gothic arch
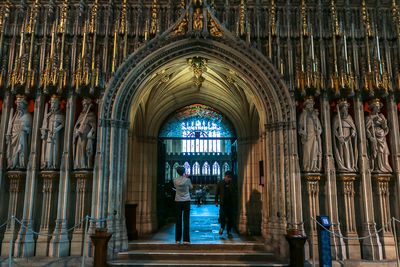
271	96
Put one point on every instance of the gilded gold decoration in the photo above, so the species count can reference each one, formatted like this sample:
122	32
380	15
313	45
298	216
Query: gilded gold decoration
154	18
242	18
198	19
365	18
93	18
312	178
213	27
198	66
273	17
63	17
122	27
304	23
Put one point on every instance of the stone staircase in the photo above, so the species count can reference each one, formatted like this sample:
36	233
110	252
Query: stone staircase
231	254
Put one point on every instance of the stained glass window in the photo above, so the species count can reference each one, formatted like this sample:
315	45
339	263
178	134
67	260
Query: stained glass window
200	128
196	168
187	168
206	169
216	169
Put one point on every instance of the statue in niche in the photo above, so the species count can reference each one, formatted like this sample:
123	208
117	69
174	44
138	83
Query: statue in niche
376	130
17	136
345	142
84	137
310	132
53	124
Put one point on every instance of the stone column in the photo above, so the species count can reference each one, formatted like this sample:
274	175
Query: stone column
82	183
394	135
122	182
371	247
384	216
59	244
337	244
49	205
112	206
16	185
312	182
25	243
7	104
353	244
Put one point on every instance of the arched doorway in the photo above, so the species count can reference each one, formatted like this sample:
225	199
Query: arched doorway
241	84
204	141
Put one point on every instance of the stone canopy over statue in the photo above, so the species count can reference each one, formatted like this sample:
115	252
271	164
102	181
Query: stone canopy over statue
310	132
376	130
51	134
345	142
17	136
84	137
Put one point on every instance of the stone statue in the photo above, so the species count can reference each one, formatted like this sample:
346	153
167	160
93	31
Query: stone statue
345	142
53	124
17	136
376	130
310	132
84	137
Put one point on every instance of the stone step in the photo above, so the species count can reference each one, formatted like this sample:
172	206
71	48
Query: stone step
227	254
237	246
197	263
197	255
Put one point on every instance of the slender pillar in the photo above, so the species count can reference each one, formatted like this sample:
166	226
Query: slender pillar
350	230
16	185
312	182
371	247
394	135
82	198
59	245
4	194
337	244
49	205
25	243
384	216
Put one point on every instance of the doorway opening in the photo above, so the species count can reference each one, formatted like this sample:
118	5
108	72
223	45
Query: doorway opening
201	139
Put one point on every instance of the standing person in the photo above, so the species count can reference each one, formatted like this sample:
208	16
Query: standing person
225	196
182	198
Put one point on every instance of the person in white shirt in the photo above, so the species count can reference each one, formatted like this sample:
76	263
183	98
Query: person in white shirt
182	199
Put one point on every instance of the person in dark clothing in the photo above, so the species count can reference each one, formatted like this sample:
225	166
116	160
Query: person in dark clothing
226	196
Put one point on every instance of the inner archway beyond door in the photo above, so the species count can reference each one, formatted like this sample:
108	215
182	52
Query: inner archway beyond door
236	80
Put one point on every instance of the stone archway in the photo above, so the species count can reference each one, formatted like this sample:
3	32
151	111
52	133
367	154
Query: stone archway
281	200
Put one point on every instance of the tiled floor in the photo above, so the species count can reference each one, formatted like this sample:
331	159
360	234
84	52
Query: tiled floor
204	229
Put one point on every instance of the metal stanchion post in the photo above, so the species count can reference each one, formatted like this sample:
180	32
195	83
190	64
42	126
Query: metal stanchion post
84	241
396	245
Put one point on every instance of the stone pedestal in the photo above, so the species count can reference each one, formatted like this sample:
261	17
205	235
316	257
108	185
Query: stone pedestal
16	185
383	215
49	204
353	250
83	180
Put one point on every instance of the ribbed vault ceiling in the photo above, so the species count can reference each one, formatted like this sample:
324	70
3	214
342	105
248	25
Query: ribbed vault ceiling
171	87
